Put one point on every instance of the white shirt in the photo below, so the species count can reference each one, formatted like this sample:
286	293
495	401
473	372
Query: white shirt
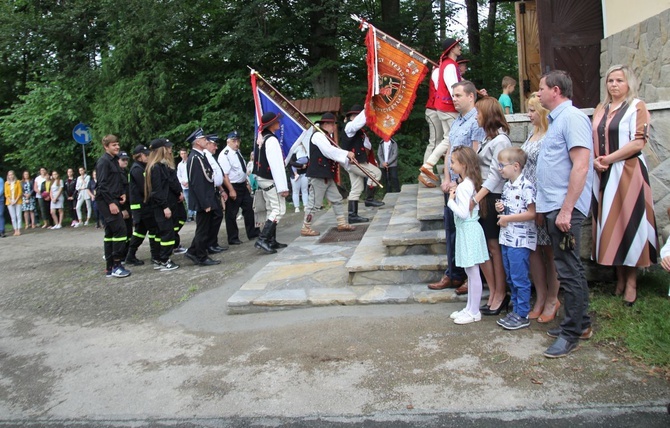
353	126
231	165
331	152
386	145
182	175
276	161
217	173
82	186
38	184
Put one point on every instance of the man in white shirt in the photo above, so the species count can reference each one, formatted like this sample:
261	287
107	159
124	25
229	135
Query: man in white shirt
387	156
239	192
271	176
217	210
182	176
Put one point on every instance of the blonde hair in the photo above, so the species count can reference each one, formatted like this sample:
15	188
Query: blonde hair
631	80
160	155
534	102
508	81
514	155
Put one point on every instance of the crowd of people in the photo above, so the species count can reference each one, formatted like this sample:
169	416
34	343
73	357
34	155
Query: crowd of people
516	213
511	213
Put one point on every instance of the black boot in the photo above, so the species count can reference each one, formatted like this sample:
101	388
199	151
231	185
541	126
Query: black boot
262	242
273	239
370	198
353	214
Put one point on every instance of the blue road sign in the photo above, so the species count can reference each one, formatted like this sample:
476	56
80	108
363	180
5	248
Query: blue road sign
81	134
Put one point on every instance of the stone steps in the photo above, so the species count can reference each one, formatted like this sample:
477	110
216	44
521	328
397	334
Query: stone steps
395	249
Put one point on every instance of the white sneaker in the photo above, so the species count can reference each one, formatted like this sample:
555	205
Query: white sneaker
466	318
58	226
456	314
297	209
86	223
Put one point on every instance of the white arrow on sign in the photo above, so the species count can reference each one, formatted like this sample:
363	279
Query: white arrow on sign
81	132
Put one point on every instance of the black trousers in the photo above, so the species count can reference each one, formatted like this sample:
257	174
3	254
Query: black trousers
244	201
165	235
179	220
115	235
200	243
217	219
390	179
144	226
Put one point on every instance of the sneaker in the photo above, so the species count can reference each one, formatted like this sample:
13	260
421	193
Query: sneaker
157	264
515	322
466	318
502	321
586	334
120	272
168	265
58	226
77	225
179	250
297	209
86	223
456	314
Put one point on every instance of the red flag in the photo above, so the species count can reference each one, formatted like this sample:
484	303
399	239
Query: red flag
394	74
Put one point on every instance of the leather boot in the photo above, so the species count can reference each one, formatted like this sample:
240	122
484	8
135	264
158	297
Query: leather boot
370	198
262	241
272	241
353	214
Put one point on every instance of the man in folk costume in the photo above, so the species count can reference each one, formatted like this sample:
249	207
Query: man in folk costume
202	198
354	139
448	75
271	176
321	171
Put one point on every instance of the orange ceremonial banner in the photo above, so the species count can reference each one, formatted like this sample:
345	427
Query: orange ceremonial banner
394	73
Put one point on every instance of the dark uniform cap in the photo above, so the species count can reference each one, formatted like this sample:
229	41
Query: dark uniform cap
160	142
123	155
198	133
268	119
140	149
234	135
214	138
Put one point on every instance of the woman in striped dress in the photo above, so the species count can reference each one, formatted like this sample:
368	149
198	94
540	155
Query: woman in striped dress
624	226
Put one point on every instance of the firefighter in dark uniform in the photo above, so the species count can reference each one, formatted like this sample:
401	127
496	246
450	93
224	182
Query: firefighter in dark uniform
125	207
142	212
202	198
109	197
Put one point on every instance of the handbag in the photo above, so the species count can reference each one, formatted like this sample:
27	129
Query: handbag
46	196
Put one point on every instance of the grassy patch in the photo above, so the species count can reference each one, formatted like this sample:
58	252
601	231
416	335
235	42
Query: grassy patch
641	332
190	292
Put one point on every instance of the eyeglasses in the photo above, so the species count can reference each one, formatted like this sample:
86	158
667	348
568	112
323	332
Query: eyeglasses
503	165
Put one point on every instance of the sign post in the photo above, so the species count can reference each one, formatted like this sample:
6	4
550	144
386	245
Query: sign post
82	135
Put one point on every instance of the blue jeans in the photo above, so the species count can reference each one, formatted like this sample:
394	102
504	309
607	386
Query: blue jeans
190	213
2	215
517	264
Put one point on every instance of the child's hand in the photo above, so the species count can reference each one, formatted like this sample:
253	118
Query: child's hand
502	221
452	193
500	207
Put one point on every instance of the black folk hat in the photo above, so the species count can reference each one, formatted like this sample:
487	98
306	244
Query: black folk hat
355	109
268	119
448	44
327	118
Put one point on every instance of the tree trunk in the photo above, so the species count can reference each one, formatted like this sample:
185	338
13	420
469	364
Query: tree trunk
323	52
391	18
474	38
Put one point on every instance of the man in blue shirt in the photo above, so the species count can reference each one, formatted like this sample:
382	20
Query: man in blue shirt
464	131
564	177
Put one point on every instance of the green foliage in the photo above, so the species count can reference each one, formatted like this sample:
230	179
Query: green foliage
643	331
156	68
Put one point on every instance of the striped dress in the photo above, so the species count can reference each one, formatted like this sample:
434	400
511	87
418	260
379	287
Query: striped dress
624	225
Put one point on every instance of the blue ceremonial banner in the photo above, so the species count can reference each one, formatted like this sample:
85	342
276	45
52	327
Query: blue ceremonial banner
267	99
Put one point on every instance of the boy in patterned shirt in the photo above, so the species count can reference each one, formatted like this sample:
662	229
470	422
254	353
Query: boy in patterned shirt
518	233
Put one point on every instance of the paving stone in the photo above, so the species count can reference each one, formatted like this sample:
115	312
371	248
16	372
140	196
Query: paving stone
385	294
331	296
243	297
282	298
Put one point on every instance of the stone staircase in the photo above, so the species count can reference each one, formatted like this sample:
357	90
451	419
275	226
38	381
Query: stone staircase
403	245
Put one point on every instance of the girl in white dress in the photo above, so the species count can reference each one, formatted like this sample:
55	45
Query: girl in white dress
471	249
